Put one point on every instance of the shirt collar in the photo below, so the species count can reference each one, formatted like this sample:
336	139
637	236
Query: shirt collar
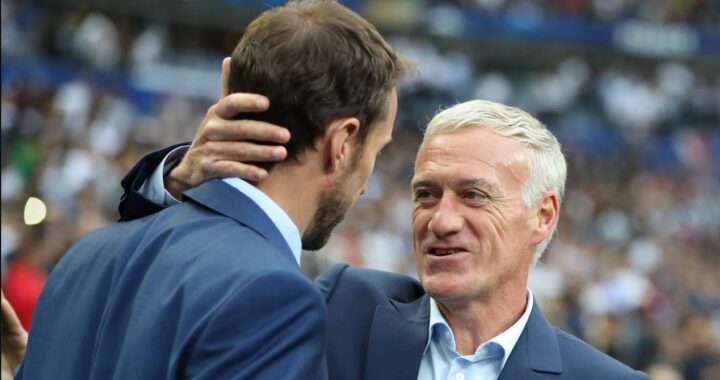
506	339
279	217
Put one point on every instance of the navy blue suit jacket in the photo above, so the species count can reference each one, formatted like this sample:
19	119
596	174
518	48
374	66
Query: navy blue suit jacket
378	322
378	328
204	290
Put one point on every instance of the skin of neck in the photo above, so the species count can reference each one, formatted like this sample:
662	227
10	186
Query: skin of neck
477	321
281	186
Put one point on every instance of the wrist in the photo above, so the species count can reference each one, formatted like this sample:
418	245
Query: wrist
175	182
174	176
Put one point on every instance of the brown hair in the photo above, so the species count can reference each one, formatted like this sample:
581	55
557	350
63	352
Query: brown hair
316	61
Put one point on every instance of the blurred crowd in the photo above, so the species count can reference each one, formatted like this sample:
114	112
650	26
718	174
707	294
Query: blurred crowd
696	12
633	269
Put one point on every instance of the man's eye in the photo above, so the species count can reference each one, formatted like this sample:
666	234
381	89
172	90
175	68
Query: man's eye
474	195
422	194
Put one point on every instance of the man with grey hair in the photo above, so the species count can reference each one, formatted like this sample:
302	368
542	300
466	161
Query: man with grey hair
487	190
486	194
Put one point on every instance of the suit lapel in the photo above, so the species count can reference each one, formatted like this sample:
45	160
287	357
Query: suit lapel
226	200
536	353
397	339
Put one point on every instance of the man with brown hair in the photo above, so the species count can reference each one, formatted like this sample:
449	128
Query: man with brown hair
211	288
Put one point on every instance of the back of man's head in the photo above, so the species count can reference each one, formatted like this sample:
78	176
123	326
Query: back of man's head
316	61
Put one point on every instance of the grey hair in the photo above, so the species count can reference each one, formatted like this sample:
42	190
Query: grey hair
547	169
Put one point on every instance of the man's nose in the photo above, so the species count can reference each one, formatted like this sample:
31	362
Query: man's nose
447	219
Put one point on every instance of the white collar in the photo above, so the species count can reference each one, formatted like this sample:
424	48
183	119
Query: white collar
277	215
506	339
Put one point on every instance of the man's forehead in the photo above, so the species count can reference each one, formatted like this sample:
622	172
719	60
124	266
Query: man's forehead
468	133
471	143
468	154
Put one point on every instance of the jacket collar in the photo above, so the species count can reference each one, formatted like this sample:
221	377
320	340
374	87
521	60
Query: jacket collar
537	352
397	339
224	199
400	330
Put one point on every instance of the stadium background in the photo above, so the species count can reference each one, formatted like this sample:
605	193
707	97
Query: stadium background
631	88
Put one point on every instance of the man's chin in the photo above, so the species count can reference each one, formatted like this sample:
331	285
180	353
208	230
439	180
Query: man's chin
317	240
315	245
444	288
331	211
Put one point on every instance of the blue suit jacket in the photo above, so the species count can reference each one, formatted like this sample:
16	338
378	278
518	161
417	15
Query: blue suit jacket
378	328
378	321
205	290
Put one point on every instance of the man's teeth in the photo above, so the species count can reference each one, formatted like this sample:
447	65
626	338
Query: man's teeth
443	252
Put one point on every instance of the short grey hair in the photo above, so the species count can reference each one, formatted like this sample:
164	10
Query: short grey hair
547	168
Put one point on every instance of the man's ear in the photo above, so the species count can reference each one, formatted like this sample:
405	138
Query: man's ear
337	144
547	212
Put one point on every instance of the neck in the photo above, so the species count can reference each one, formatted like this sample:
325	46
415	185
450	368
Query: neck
295	190
476	322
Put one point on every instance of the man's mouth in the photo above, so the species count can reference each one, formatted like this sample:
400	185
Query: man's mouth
445	251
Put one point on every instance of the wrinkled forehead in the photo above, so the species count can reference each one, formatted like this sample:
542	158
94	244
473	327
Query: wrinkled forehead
471	150
471	142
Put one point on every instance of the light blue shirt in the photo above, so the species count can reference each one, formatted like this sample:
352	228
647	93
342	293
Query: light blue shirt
154	190
441	361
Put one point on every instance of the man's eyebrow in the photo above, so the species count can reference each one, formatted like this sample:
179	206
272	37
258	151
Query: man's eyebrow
476	182
423	182
464	182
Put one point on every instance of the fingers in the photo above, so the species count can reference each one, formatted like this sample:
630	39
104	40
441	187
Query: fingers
236	103
6	372
239	151
245	130
11	326
224	77
10	320
222	169
14	338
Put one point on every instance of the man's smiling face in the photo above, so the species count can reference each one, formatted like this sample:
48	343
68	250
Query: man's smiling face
472	232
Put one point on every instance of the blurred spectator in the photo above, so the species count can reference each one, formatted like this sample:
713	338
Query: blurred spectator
24	278
96	41
663	371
